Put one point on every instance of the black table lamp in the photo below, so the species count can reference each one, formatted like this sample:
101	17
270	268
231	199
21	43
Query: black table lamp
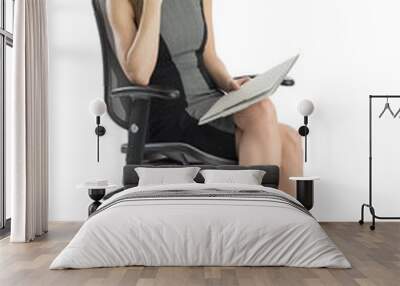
305	108
98	108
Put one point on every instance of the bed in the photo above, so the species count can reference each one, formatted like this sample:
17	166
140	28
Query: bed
201	224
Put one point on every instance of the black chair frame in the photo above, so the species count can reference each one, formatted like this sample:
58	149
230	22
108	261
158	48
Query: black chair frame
139	98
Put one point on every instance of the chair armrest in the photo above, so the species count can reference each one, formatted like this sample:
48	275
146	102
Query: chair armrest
286	82
146	92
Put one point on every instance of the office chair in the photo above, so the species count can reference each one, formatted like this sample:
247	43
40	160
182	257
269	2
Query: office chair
129	106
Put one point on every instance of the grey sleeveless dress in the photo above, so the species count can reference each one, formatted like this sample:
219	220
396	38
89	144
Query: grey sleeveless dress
180	66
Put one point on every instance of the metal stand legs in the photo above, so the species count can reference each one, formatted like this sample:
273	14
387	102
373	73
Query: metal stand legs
372	210
374	216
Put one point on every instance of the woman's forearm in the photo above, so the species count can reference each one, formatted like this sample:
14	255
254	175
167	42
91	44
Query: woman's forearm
218	72
142	55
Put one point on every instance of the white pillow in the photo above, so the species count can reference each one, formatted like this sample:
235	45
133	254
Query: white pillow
164	176
247	177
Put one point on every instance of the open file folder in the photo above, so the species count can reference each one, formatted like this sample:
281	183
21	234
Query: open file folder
251	92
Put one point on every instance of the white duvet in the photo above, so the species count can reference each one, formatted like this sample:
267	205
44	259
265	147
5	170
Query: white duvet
200	231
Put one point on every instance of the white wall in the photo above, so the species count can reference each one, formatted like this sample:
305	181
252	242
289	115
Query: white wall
349	49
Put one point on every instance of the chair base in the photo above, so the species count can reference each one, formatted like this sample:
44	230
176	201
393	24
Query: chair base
179	154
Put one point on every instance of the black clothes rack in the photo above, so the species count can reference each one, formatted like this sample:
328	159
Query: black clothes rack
370	204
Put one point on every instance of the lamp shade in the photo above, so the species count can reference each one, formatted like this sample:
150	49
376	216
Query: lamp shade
305	107
97	107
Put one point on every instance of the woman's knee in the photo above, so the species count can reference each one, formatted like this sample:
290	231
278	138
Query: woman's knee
258	115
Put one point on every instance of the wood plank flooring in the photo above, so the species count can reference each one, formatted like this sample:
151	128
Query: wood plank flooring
375	257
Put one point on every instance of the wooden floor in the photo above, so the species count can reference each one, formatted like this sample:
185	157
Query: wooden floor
375	257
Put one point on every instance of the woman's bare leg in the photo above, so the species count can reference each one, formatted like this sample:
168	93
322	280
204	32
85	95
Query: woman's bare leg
292	158
260	138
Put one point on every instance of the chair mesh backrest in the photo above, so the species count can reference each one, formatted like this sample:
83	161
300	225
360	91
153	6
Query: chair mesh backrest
113	74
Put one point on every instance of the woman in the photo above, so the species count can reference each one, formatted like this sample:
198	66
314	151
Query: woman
171	43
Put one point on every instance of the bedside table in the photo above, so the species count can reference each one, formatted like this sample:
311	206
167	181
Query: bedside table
305	190
96	193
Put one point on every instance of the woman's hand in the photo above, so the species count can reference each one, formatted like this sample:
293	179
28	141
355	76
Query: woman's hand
235	84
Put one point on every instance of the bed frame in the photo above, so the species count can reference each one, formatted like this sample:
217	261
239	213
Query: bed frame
131	179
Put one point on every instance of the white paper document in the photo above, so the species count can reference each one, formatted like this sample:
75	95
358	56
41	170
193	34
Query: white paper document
251	92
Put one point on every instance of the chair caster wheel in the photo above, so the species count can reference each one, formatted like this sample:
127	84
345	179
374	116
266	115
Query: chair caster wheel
361	222
372	227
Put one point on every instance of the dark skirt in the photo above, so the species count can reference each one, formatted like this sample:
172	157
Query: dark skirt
181	127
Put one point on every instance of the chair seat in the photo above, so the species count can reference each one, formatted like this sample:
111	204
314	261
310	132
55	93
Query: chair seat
181	153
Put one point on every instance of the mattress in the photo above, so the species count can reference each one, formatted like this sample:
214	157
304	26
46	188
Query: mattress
201	225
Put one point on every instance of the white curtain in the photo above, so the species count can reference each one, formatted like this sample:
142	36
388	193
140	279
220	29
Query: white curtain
28	148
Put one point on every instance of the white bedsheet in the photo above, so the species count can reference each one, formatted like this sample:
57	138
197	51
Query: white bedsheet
200	231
